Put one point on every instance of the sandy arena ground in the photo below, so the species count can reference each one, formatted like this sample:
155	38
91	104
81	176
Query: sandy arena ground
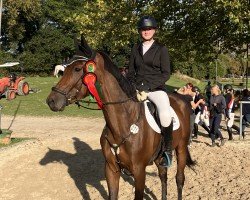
64	162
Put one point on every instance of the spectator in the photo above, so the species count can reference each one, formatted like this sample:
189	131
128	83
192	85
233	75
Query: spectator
189	96
208	90
199	111
229	111
189	86
245	111
217	108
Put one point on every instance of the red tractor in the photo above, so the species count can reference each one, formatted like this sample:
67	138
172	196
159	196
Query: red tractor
12	85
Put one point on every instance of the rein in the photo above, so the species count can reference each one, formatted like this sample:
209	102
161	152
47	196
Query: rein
78	103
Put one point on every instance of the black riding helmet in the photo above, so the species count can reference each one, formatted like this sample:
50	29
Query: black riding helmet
228	87
147	22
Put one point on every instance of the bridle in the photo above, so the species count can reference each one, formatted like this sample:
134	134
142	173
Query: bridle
89	79
70	99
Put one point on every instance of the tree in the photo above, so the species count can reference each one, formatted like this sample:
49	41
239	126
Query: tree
20	22
46	49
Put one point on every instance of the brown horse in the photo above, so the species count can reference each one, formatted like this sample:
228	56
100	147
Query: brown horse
122	149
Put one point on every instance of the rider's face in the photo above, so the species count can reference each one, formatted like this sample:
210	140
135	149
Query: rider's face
147	34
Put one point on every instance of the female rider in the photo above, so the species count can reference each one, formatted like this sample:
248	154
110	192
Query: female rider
217	108
229	112
199	112
245	111
149	69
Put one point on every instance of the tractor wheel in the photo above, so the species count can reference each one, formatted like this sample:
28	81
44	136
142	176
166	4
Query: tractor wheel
23	88
10	95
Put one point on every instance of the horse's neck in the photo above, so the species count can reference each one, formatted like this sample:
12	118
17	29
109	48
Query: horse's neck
120	116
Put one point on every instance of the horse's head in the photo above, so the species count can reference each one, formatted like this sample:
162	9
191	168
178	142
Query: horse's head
87	68
70	88
53	156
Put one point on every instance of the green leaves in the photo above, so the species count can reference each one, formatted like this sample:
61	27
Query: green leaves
50	46
195	32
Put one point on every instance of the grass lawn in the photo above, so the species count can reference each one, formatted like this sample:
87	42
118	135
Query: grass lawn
34	104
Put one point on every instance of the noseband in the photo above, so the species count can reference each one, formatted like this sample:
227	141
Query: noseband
59	91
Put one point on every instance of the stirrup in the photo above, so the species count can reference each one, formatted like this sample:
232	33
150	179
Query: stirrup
166	160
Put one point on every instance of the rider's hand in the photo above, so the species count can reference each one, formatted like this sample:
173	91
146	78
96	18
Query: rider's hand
142	96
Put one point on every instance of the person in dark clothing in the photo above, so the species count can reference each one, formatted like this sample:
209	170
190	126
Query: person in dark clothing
198	112
208	90
245	111
229	111
217	108
149	69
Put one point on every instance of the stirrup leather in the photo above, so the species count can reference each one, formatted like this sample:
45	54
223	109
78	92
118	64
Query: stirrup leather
166	160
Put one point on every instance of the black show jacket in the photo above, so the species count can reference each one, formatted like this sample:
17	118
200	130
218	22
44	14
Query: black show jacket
150	71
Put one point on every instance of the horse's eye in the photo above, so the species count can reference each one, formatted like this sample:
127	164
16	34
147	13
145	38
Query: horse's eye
78	69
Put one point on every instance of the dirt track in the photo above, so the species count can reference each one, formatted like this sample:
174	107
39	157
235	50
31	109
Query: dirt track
64	162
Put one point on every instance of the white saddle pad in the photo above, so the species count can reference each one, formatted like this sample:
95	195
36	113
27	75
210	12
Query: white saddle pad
151	121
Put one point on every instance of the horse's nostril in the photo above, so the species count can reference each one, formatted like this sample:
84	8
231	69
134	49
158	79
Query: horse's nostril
50	101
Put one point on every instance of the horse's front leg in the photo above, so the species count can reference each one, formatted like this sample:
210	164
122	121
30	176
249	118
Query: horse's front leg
112	178
163	174
140	176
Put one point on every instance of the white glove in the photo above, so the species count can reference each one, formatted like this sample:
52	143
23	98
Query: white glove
141	96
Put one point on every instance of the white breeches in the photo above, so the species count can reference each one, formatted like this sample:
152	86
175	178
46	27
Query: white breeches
161	100
199	119
230	122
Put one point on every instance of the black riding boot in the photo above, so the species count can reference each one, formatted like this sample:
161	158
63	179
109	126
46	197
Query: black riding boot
206	128
230	133
236	128
195	131
243	134
167	133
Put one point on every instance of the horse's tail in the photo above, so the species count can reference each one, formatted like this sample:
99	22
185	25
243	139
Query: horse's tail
190	162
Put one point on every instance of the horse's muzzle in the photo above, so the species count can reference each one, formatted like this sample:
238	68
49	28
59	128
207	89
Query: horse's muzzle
56	102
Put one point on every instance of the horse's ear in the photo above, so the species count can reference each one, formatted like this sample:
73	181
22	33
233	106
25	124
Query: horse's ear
85	49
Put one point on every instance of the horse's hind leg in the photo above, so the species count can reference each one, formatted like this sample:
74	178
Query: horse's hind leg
163	174
181	164
113	182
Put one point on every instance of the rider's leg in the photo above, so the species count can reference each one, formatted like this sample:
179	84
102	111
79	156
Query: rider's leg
196	122
161	100
245	123
229	126
236	128
230	133
217	128
168	147
195	130
212	132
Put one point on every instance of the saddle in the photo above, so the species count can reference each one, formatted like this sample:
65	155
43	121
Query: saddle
153	118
